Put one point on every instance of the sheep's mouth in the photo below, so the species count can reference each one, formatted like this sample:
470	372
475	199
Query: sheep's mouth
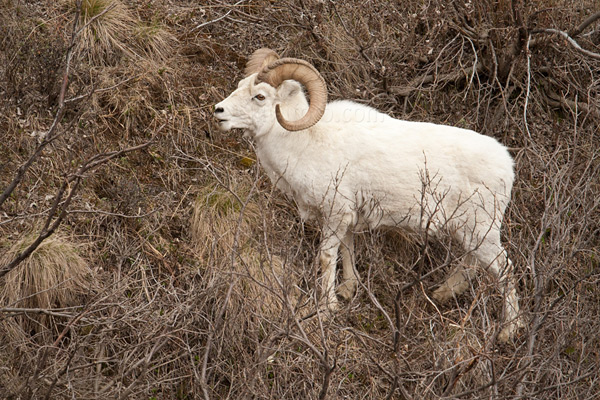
223	124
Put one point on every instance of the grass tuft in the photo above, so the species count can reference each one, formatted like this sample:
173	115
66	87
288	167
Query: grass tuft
54	276
112	32
154	41
225	222
105	40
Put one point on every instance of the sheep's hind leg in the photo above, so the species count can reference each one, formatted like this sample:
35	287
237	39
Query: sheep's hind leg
491	255
347	288
502	268
456	283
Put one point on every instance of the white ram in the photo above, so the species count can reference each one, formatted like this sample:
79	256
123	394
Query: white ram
353	167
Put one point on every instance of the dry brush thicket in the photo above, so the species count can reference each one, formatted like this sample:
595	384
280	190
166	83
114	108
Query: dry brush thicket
161	264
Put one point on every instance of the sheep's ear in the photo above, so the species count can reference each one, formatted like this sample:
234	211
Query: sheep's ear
288	89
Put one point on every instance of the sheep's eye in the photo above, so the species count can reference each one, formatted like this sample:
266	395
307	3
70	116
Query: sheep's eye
259	97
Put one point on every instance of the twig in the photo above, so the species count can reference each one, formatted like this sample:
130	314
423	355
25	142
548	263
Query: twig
50	312
217	19
528	55
94	91
570	40
51	135
111	214
93	211
42	360
588	21
144	362
63	371
419	81
74	179
209	340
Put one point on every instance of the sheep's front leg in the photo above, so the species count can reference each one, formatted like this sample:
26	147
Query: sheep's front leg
328	260
348	287
337	231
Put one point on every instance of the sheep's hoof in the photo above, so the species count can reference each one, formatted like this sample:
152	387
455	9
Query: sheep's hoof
455	285
326	308
508	332
442	294
331	305
347	289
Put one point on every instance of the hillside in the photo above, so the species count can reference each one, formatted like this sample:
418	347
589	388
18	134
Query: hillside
144	254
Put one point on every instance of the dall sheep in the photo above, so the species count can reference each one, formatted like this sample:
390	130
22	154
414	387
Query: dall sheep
352	167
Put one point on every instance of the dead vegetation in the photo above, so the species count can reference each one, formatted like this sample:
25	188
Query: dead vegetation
172	269
54	276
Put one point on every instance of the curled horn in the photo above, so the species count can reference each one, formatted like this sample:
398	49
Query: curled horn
258	60
283	69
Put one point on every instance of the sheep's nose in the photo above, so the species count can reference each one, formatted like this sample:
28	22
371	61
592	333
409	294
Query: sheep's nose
218	110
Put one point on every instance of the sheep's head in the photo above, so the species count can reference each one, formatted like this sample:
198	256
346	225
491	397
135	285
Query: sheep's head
269	82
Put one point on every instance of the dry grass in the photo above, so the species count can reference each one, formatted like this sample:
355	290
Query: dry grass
206	277
218	214
154	41
55	276
224	229
113	31
110	27
133	101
